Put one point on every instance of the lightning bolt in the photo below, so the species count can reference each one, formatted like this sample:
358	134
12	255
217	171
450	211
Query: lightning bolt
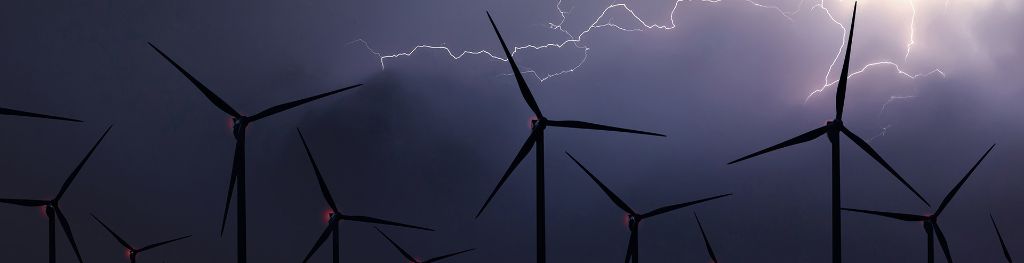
884	130
893	99
576	41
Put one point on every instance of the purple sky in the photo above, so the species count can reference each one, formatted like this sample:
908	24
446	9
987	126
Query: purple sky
427	137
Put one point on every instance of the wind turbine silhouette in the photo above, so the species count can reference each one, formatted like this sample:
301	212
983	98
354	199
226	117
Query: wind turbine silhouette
931	222
13	112
53	206
132	251
536	140
239	124
833	129
336	216
633	252
412	259
707	244
1006	252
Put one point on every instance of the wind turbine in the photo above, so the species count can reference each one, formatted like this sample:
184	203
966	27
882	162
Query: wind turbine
53	206
633	252
1006	252
536	140
239	124
707	244
132	251
336	216
13	112
931	222
833	129
412	259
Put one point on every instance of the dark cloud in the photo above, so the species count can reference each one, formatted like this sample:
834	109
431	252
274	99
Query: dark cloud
427	137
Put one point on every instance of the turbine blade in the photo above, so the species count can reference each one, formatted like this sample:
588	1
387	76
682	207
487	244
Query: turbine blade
952	193
931	241
111	231
802	138
436	259
24	202
942	243
670	208
283	107
897	216
162	243
599	127
67	232
611	195
707	244
237	166
1006	252
320	241
13	112
629	246
71	178
871	151
217	101
319	177
525	149
404	253
636	247
841	87
366	219
523	88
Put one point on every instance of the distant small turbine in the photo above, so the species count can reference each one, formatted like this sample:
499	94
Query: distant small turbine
931	222
13	112
412	259
336	216
633	252
132	251
53	206
536	139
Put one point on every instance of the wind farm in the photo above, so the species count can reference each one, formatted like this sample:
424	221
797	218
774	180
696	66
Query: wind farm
659	108
635	218
133	252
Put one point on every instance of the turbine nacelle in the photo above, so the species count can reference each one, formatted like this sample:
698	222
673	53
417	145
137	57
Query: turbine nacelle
536	122
238	125
633	221
332	216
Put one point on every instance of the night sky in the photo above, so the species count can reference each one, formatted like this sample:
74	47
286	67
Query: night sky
427	137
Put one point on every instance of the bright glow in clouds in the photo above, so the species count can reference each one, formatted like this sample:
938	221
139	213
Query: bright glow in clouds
907	14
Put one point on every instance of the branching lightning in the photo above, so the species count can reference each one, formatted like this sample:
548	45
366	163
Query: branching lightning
602	21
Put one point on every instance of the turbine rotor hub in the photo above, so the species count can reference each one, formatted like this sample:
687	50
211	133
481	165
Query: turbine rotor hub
238	126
